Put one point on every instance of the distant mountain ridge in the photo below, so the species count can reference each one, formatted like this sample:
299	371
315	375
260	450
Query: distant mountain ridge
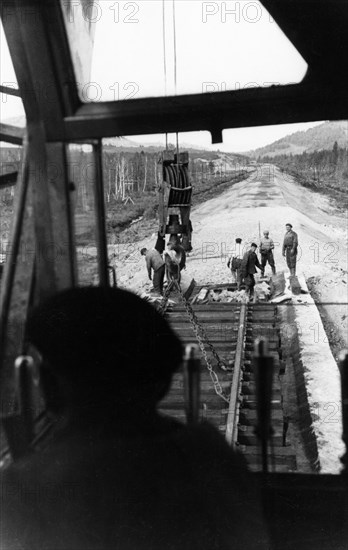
120	141
128	145
315	139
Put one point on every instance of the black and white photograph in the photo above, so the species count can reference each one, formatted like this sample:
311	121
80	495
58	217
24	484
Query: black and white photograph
173	275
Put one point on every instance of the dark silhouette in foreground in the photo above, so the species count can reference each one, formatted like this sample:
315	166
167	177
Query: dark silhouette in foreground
117	475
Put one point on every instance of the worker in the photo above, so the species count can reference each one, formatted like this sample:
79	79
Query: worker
266	251
235	263
190	231
114	473
155	262
249	263
290	245
175	261
160	243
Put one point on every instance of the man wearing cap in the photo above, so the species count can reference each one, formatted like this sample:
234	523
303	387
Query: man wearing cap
266	251
290	245
249	263
235	263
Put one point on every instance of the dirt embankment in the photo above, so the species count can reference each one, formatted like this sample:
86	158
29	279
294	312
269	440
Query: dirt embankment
328	293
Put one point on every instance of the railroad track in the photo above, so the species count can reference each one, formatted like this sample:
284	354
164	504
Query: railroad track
232	329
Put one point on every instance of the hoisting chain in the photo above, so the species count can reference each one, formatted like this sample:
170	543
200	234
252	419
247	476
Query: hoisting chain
165	299
201	336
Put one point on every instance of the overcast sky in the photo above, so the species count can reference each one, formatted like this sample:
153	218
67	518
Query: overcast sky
154	48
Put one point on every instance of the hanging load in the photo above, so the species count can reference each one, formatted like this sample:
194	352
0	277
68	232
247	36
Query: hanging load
175	194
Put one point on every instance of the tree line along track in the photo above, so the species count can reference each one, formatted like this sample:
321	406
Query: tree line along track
232	329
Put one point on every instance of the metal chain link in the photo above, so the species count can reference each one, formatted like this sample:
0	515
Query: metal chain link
164	302
201	336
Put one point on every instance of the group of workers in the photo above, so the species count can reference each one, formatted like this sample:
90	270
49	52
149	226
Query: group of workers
169	262
243	265
161	262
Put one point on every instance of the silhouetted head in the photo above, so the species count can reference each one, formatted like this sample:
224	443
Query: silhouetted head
238	240
106	346
143	251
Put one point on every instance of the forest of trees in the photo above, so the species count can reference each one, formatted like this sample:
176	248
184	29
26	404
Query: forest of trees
131	178
319	169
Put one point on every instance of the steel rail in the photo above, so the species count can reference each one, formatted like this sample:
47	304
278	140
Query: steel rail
102	248
233	410
10	265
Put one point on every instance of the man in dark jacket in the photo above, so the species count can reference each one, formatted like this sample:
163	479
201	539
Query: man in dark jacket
235	263
249	263
290	245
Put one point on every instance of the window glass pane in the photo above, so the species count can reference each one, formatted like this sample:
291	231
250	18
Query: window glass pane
259	179
153	48
11	107
79	17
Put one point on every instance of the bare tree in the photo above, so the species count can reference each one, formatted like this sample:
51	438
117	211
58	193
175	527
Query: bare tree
145	173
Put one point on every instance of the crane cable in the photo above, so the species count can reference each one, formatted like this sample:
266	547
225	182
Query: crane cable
174	39
164	57
175	90
164	47
165	63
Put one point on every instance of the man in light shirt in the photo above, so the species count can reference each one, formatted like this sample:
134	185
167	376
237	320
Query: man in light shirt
175	261
266	250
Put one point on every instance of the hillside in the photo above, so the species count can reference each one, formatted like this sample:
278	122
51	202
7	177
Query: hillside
315	139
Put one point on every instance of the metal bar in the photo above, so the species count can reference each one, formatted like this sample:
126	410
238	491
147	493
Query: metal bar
263	371
11	134
180	189
102	249
42	61
17	285
63	234
113	274
8	180
23	367
42	84
46	258
297	103
19	427
10	265
192	384
232	417
10	91
343	364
